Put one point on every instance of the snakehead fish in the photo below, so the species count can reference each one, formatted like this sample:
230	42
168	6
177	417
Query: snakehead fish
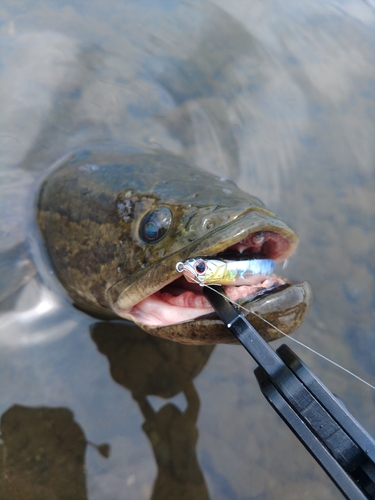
116	224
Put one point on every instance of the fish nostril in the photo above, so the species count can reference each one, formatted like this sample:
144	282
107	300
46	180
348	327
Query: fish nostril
208	224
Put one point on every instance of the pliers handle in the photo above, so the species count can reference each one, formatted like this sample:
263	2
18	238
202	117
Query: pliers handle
320	421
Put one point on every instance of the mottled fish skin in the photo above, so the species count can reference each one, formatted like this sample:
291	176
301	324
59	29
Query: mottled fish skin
90	210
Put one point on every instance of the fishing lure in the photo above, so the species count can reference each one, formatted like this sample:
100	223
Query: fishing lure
209	272
225	272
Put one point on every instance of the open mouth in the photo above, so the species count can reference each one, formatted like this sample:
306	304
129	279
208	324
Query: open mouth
180	301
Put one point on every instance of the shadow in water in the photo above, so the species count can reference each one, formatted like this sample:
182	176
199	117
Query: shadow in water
42	450
42	455
146	366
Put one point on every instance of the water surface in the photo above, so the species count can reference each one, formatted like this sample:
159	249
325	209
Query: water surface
279	98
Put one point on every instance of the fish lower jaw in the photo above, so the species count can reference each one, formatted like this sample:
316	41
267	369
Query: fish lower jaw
181	305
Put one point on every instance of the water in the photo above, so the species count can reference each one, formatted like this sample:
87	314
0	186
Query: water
279	98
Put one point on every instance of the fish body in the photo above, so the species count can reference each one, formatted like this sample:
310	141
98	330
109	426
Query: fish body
115	224
226	272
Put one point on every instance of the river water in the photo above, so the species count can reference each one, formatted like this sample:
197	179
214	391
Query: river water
279	97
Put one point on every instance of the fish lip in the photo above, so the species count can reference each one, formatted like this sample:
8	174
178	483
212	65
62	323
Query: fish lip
129	291
251	301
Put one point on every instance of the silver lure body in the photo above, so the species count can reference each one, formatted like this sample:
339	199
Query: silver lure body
225	272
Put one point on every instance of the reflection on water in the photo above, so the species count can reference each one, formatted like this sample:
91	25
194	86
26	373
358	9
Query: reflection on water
42	454
148	366
279	97
173	436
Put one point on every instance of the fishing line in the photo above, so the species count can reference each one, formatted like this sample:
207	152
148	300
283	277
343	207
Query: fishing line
291	338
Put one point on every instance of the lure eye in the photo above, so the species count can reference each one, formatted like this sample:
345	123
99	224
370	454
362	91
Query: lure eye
155	224
200	267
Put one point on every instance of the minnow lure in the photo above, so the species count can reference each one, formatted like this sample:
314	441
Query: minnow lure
225	272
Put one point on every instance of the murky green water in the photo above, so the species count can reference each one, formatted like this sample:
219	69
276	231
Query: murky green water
280	98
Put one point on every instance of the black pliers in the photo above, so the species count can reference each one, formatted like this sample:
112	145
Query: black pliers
320	421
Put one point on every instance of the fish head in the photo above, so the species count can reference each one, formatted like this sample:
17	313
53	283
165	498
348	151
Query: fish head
115	225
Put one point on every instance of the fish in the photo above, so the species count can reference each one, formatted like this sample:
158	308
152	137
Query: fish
115	223
226	272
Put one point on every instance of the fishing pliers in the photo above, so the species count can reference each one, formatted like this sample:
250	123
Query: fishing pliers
316	416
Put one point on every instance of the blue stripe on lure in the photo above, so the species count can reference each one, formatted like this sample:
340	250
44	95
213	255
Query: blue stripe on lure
225	272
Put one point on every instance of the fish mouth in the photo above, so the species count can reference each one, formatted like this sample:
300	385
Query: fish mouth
181	300
177	302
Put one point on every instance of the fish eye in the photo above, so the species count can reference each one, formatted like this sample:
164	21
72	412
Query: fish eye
155	224
200	267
